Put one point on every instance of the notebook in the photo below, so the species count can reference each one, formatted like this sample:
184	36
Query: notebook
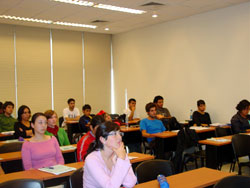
57	169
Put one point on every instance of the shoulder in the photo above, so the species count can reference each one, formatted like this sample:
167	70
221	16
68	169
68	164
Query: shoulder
93	157
66	109
61	130
235	117
196	113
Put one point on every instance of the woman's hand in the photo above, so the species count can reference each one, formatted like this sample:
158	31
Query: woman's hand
120	151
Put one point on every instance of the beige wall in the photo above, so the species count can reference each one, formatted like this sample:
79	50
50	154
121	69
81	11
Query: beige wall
97	66
7	64
34	68
205	56
67	60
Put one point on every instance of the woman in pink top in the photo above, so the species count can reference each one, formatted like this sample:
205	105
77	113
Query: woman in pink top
41	150
107	164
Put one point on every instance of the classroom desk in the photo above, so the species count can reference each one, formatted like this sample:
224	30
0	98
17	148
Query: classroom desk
198	178
132	137
6	137
37	174
218	152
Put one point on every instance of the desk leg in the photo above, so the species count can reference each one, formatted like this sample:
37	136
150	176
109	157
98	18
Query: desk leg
212	156
159	148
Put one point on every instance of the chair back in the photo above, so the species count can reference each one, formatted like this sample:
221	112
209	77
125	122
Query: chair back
220	131
61	119
22	183
241	145
114	116
75	180
234	182
11	147
149	170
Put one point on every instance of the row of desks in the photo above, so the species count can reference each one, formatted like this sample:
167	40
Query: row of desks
37	174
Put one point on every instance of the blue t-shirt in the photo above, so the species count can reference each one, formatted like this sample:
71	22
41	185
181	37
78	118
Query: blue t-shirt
152	126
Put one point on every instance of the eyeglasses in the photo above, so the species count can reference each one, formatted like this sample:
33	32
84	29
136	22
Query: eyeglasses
115	133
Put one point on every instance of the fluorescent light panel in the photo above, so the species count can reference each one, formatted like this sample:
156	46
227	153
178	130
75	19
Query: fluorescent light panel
47	21
102	6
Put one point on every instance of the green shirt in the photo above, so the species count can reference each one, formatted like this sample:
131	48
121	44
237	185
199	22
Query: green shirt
7	123
62	137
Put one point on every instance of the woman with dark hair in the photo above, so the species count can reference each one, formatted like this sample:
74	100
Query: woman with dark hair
23	126
201	117
41	150
241	121
54	130
107	164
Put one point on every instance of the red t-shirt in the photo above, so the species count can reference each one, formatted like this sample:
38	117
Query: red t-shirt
83	145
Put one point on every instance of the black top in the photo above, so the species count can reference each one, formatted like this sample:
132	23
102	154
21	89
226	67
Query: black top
83	121
20	130
240	124
199	118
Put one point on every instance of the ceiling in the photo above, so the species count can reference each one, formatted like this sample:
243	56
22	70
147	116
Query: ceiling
117	21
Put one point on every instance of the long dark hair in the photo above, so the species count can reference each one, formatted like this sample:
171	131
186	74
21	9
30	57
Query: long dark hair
21	111
103	130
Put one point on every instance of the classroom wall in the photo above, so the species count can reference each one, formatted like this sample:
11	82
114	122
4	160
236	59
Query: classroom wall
205	56
33	67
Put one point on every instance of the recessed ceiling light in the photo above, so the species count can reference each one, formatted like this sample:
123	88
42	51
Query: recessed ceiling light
106	29
47	21
154	15
102	6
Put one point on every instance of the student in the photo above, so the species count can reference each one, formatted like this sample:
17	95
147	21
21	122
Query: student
86	118
54	130
105	115
160	111
241	121
131	110
107	164
41	150
71	113
23	126
87	139
200	117
150	124
6	120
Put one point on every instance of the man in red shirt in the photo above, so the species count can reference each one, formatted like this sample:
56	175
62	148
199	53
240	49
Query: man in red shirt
88	138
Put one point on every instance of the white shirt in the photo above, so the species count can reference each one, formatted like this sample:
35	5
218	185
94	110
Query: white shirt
128	112
67	113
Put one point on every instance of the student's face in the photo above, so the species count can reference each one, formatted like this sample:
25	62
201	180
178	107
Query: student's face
40	125
52	121
152	112
107	117
202	107
132	104
72	105
9	109
160	103
26	114
245	112
86	112
114	140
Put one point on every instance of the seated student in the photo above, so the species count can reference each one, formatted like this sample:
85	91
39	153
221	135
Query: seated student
86	118
41	150
71	113
200	117
87	139
54	130
241	121
131	110
107	165
105	115
23	126
150	124
6	120
160	111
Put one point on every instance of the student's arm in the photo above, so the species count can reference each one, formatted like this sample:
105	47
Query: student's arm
59	157
236	126
147	135
104	180
26	156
